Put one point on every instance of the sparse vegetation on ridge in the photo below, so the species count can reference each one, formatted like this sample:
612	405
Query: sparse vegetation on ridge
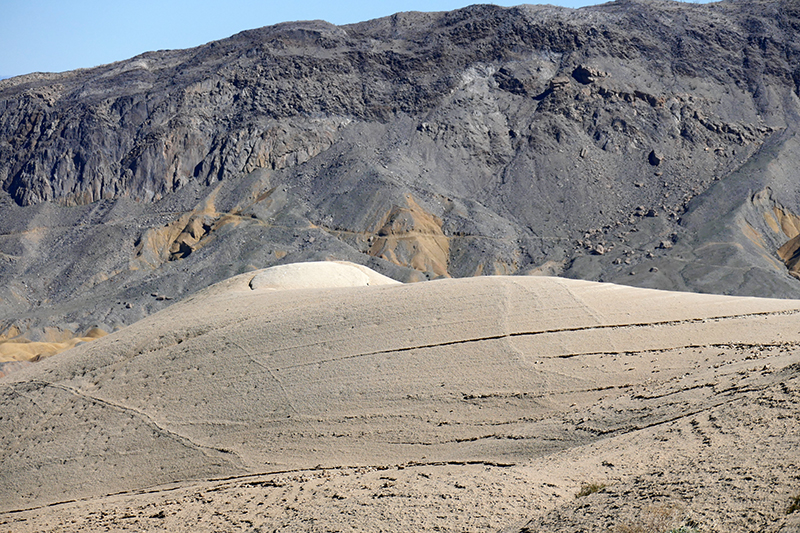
795	505
660	519
590	488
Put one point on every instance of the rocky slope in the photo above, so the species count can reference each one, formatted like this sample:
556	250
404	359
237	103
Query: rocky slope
646	143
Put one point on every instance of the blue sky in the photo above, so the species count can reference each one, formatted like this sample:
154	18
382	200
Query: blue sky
59	35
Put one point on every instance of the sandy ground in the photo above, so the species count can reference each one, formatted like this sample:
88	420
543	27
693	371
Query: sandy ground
478	404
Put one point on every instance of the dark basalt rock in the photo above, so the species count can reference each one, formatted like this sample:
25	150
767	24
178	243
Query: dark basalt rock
480	141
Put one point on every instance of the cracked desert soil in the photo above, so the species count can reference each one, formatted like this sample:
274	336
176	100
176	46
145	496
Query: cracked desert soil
479	404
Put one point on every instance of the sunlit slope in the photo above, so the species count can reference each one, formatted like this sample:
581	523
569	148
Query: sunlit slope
240	379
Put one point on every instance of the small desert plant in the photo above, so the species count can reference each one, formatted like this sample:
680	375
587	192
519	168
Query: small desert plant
658	519
590	488
795	505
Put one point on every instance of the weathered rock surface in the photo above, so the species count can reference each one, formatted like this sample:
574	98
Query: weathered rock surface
487	140
477	403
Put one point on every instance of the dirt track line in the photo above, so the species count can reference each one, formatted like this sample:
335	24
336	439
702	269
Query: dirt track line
186	484
673	392
535	333
685	415
272	374
734	345
185	441
734	394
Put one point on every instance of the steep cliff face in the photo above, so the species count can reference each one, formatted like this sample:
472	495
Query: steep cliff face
639	142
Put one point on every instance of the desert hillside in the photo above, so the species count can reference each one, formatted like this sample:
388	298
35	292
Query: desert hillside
324	396
523	269
645	143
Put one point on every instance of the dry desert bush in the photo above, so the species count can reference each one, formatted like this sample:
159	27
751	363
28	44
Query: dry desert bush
794	505
659	519
590	488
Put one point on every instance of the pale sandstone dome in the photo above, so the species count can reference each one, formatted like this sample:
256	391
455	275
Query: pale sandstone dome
318	275
344	368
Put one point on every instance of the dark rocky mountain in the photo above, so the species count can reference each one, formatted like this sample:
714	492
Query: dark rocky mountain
650	143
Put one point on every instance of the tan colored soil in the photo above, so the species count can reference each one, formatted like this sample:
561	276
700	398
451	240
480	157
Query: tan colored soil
456	405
